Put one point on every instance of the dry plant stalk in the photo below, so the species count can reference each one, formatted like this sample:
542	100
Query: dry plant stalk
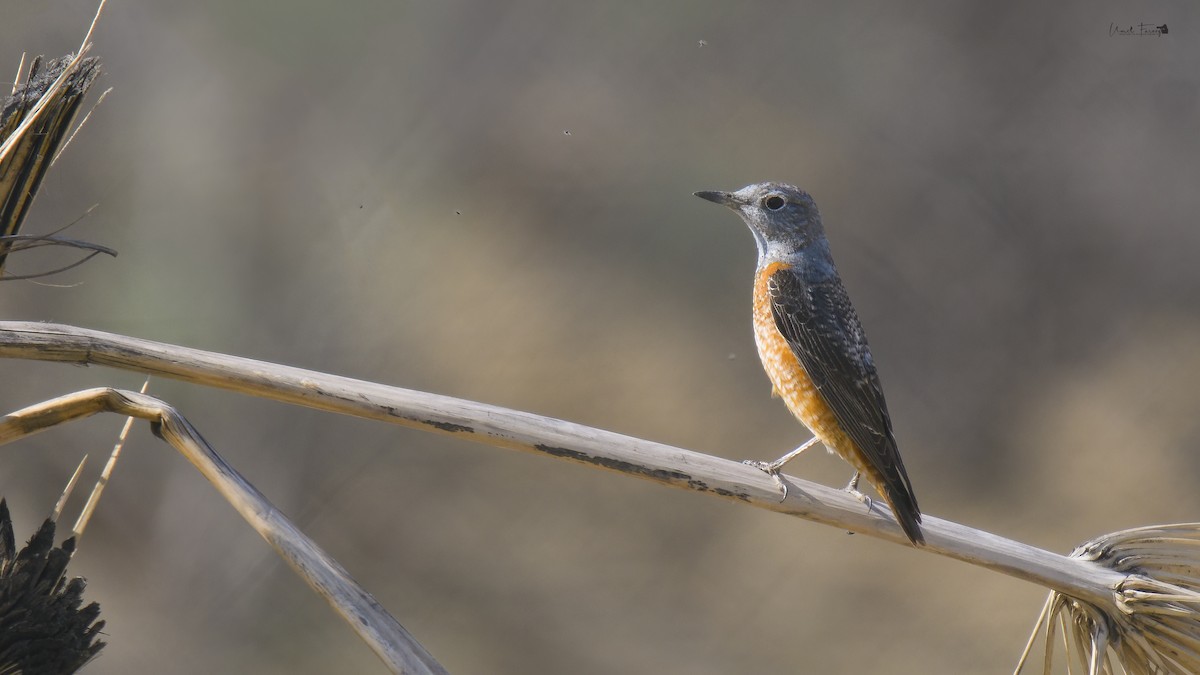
390	641
1125	598
502	427
34	121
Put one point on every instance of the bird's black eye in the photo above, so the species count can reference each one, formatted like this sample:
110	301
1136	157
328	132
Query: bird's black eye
774	202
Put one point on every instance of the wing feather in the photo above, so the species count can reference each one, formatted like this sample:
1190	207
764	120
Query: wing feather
822	328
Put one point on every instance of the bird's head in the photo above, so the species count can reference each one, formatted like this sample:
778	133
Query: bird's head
783	218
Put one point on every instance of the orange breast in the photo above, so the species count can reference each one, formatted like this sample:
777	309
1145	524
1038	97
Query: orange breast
789	378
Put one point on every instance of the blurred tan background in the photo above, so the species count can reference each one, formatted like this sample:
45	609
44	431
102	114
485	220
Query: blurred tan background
493	201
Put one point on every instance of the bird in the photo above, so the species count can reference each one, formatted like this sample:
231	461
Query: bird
813	347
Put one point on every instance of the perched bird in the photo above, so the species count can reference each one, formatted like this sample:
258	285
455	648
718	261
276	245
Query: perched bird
813	347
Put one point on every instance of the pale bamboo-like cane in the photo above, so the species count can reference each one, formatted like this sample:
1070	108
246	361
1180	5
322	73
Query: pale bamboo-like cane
1144	618
513	429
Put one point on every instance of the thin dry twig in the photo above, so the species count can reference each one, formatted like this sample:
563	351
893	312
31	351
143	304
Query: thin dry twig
390	641
66	493
89	507
30	241
79	127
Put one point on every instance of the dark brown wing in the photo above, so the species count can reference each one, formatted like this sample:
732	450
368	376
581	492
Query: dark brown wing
820	325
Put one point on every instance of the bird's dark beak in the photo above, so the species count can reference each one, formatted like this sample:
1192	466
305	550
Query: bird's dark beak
717	197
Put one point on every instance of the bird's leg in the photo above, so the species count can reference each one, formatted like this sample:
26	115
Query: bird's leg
773	468
852	488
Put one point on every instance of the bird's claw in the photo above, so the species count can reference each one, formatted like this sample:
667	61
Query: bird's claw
852	488
765	467
772	470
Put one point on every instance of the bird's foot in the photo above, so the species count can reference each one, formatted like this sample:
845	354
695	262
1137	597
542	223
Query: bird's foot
771	470
776	466
852	488
765	467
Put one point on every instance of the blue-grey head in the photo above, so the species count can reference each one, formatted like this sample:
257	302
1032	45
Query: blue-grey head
783	218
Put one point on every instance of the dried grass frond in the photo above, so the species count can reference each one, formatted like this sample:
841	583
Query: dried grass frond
1152	625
